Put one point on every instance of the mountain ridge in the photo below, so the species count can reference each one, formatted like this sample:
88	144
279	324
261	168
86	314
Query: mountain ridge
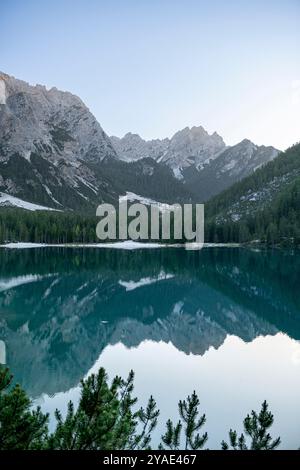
201	161
264	206
54	153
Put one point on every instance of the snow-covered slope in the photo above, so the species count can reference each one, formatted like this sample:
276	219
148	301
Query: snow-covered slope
132	197
10	201
145	281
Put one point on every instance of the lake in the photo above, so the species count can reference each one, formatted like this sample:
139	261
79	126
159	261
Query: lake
222	321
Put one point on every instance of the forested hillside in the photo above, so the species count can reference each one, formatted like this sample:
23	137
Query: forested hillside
264	206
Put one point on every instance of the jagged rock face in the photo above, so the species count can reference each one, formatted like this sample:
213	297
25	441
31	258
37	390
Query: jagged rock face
192	147
49	142
243	158
187	147
56	123
132	147
201	161
53	152
232	165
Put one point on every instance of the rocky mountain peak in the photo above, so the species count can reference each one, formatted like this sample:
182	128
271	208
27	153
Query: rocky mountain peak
188	146
192	147
246	142
34	118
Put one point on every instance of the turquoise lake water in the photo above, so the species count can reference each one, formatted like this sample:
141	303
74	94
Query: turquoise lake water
222	321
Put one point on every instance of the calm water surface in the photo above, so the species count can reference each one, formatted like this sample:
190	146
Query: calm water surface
225	322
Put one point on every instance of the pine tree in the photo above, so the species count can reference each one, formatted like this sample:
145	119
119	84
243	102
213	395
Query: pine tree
20	427
188	410
104	419
107	418
256	428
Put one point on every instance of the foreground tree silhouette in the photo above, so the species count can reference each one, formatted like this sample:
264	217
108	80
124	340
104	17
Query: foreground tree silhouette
256	428
188	410
20	427
107	418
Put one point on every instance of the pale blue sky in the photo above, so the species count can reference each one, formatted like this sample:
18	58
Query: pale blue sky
156	66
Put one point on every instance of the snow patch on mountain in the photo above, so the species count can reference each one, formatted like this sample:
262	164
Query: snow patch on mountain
146	281
177	173
253	201
48	191
2	92
10	201
86	183
132	197
2	352
6	284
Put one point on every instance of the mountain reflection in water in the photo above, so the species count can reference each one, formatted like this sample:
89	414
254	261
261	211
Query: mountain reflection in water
64	312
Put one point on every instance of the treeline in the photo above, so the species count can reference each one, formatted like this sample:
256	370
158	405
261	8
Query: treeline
51	227
46	227
279	223
108	418
17	225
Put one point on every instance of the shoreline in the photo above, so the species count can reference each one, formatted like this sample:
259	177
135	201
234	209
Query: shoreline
124	245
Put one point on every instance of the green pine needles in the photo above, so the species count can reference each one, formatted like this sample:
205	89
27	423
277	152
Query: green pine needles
256	429
108	418
190	425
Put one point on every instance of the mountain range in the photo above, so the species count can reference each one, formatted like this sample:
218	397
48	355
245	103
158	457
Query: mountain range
54	153
202	162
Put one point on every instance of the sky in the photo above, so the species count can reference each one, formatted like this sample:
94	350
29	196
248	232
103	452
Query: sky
154	67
